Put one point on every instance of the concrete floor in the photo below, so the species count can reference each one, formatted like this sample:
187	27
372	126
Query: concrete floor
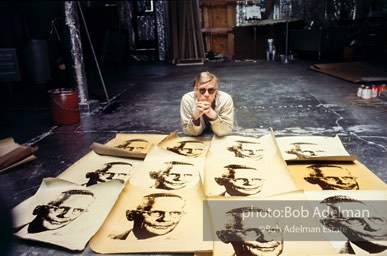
289	98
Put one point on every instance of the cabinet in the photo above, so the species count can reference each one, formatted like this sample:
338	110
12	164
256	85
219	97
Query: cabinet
218	18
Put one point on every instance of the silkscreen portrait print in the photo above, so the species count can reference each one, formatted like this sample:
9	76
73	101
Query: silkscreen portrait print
313	148
93	169
186	146
166	174
255	226
169	161
133	146
335	176
232	176
247	147
150	220
60	209
355	221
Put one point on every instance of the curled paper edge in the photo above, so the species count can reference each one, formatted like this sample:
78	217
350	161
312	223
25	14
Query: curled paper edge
112	151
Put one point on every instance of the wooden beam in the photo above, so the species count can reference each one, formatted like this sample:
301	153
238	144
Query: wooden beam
216	30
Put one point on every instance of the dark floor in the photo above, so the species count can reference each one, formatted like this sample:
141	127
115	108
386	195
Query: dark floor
289	98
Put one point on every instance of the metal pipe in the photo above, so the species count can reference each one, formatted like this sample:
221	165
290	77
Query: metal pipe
71	18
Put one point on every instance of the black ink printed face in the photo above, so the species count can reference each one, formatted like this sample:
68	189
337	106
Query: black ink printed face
251	150
305	150
59	215
336	178
138	145
253	236
163	216
368	226
191	149
244	182
110	171
178	177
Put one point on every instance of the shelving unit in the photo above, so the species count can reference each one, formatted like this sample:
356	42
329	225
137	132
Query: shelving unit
218	19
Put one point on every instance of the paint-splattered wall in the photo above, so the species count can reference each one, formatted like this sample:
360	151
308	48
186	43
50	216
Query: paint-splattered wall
327	11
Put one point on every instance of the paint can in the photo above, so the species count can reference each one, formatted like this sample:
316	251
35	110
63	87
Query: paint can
359	90
64	106
374	91
366	93
381	88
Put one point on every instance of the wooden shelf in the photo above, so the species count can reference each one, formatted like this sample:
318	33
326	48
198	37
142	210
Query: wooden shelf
216	30
217	2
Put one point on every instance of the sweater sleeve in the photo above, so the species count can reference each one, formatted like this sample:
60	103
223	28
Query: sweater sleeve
223	125
186	109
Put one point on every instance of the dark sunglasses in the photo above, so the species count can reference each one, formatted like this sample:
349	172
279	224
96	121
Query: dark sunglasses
210	90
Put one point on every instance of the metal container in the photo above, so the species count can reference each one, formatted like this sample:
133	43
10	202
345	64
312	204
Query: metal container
374	91
359	91
366	93
64	106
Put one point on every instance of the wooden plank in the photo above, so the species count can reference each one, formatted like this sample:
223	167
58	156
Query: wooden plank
219	16
207	39
205	17
194	53
231	15
219	43
175	29
217	2
231	22
230	46
216	30
199	36
182	21
190	42
189	62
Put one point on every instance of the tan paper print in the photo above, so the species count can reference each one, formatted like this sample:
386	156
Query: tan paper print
313	147
233	176
93	169
244	146
161	155
186	146
166	175
161	218
140	143
61	209
335	176
240	220
353	216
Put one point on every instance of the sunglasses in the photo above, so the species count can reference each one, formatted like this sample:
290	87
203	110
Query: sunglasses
210	90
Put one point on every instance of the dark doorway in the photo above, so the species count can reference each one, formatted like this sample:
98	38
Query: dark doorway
144	27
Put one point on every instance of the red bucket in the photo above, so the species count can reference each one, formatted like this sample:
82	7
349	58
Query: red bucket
64	106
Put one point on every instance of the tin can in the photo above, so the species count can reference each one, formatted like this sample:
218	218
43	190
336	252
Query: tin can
366	93
64	106
381	88
374	91
359	90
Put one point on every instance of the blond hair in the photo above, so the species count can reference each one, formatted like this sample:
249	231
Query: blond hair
205	77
